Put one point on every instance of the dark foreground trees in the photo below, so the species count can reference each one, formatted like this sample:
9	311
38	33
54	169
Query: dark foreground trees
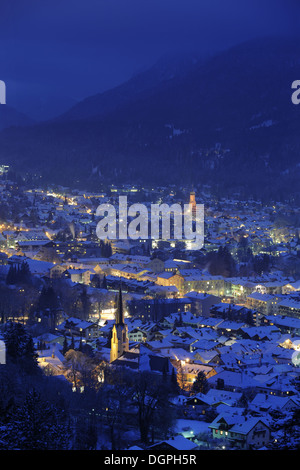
151	396
39	411
19	347
35	425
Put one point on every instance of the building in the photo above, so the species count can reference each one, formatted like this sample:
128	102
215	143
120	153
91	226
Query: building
289	307
158	308
291	287
156	265
174	444
81	276
57	271
263	303
193	202
196	280
119	339
170	279
80	328
240	431
201	302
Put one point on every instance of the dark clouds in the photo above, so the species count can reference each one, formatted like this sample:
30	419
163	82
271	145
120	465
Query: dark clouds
80	47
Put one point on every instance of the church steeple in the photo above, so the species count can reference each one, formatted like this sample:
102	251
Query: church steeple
119	339
193	202
119	311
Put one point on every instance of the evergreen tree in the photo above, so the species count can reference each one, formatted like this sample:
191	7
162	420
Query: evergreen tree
85	434
25	274
20	347
36	425
11	275
221	262
104	282
65	346
174	383
96	282
48	299
200	385
83	304
261	263
47	305
80	344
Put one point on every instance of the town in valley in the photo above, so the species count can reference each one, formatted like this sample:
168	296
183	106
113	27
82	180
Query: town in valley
148	344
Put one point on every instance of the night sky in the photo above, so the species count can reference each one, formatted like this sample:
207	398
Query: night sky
56	52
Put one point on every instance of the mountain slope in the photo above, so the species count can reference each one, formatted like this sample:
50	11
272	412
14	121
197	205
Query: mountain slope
9	116
161	73
228	122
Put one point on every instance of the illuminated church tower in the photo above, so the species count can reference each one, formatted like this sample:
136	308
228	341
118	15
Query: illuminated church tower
119	339
193	202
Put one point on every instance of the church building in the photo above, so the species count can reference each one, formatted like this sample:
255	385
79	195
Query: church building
119	339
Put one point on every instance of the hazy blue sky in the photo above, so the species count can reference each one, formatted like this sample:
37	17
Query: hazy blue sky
75	48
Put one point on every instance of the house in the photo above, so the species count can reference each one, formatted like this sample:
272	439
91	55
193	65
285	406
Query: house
289	307
199	403
187	372
264	333
137	334
213	398
48	340
234	381
34	246
227	327
52	359
211	357
156	265
127	270
175	443
190	428
156	308
170	279
76	327
265	403
291	287
36	267
196	280
241	431
143	359
263	303
229	398
57	271
81	276
270	287
182	318
201	302
241	287
233	312
274	384
285	324
204	345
